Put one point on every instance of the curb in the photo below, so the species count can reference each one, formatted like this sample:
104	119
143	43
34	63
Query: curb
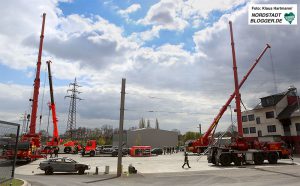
25	182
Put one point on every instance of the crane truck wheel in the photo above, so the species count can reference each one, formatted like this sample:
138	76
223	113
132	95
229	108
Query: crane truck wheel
272	158
237	161
213	160
258	158
92	153
225	159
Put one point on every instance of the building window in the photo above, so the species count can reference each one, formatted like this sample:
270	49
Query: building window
257	120
244	119
298	128
270	114
246	130
271	128
259	133
251	117
252	130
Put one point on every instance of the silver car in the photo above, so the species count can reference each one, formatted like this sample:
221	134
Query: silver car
62	165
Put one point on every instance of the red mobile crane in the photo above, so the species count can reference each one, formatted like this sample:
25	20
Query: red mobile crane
199	145
29	145
55	138
71	146
239	151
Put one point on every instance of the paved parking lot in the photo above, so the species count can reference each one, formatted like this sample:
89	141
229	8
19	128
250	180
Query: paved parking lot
155	164
250	175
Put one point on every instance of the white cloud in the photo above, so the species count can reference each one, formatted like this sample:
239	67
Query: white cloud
96	51
132	8
164	15
177	15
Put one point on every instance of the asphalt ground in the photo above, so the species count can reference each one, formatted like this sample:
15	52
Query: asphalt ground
155	164
164	170
250	175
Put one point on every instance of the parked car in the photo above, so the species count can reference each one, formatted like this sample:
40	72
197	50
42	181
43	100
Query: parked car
157	151
62	165
125	152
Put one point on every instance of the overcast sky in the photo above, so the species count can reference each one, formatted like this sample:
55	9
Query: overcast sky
174	54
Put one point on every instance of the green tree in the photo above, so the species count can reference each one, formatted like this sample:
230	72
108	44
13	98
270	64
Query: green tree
101	141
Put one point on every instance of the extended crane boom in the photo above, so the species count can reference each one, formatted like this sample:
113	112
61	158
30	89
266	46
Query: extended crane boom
203	141
32	138
55	138
236	85
35	97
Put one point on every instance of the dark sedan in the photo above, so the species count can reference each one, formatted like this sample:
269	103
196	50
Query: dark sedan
157	151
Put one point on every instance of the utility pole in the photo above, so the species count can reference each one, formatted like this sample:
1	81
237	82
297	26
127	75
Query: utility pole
200	129
121	123
71	125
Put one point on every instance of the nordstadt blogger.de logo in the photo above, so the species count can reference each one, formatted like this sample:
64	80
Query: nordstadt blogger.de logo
272	14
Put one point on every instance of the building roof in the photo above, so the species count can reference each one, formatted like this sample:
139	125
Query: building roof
142	129
272	99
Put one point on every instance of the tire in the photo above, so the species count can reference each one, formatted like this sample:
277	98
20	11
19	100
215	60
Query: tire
272	158
48	170
67	150
258	158
92	153
81	170
225	159
213	160
237	161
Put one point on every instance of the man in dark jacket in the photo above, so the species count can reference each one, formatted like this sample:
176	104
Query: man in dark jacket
186	160
56	152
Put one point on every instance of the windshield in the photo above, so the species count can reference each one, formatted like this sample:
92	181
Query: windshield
68	160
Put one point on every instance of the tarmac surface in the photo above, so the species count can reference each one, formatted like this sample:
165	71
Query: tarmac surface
154	164
164	170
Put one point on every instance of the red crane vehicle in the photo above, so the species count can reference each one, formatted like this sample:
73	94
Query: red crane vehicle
240	151
30	142
55	142
199	145
92	150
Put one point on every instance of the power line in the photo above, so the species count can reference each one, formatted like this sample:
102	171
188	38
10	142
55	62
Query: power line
161	98
163	111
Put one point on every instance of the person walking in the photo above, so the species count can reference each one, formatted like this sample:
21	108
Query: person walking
56	152
186	160
51	152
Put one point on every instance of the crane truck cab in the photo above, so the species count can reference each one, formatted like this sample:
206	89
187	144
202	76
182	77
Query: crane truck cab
90	148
